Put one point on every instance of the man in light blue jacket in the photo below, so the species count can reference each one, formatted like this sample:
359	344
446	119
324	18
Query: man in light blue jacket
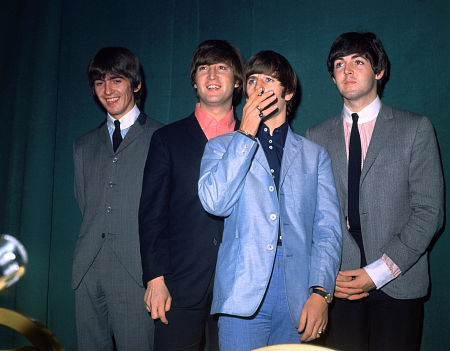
282	239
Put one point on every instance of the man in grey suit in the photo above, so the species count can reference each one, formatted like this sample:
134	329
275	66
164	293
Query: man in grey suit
388	175
109	165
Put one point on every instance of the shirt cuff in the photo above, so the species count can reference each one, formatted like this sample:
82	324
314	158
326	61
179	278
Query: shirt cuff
379	272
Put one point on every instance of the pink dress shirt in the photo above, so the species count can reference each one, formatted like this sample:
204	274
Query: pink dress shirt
212	127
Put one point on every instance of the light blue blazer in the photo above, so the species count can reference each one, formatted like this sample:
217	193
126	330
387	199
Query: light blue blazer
236	183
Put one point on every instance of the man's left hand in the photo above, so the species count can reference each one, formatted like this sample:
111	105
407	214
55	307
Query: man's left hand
314	318
353	284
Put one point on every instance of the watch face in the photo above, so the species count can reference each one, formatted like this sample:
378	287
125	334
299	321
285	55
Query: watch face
328	298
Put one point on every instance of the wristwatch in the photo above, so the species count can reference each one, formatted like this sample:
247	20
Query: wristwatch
327	296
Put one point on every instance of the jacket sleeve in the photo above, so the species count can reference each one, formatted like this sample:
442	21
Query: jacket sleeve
426	201
327	234
154	211
225	163
78	179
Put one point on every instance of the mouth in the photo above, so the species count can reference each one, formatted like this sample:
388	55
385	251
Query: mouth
213	87
112	101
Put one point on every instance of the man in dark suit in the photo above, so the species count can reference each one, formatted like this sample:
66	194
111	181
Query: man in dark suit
389	180
179	239
109	164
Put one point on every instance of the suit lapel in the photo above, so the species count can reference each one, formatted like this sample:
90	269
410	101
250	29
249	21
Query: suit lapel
103	134
260	156
292	147
382	131
135	130
337	151
194	133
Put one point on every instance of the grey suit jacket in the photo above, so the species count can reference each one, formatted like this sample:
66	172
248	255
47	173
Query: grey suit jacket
401	195
108	188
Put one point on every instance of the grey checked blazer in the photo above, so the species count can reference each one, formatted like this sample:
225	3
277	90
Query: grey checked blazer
401	195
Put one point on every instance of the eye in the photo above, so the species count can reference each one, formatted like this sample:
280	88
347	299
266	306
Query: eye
98	83
117	81
251	81
359	62
338	65
202	68
269	79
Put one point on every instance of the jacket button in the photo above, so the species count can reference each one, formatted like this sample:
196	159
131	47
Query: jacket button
271	188
270	247
115	159
108	209
103	235
273	216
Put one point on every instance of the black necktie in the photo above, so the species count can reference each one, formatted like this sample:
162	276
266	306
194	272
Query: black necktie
117	136
354	174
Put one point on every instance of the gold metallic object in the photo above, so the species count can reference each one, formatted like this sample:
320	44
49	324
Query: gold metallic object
35	332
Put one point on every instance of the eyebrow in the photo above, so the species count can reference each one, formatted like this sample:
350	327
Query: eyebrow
115	76
253	76
341	58
110	76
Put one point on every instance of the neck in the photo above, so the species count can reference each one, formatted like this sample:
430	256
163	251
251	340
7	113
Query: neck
358	105
275	121
217	111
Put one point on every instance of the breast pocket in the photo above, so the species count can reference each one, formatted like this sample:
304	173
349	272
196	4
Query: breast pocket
300	190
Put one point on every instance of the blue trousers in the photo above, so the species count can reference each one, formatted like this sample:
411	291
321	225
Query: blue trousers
270	325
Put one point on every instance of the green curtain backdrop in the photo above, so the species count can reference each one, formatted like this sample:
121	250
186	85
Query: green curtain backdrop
46	104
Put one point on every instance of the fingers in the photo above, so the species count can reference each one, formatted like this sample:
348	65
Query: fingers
258	106
313	331
159	309
302	323
358	296
157	299
343	277
314	318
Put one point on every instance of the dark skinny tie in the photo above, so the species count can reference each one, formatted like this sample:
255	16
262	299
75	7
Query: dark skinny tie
117	136
354	174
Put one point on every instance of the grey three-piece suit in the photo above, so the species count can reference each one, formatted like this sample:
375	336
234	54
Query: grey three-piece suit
107	272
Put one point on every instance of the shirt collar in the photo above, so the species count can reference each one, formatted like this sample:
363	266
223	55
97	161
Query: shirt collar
127	120
279	134
367	114
206	120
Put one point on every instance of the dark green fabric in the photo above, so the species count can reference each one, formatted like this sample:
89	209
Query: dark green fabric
46	103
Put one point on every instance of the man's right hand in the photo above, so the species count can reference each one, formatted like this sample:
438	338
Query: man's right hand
157	299
259	101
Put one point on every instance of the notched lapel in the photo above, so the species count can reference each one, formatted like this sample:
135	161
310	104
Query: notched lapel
103	135
292	147
337	151
135	130
195	133
382	131
260	156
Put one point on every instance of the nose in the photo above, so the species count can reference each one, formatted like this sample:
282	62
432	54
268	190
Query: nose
348	69
259	84
212	72
108	87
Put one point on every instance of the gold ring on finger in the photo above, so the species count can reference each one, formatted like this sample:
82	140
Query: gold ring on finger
258	108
